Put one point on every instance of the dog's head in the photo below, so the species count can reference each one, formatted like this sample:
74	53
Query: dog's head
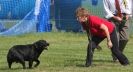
41	44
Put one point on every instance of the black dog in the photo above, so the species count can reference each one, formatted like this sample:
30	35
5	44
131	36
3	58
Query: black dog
30	52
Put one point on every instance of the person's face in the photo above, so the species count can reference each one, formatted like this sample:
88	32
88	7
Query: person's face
82	19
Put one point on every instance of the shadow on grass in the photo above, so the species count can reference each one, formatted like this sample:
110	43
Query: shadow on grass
81	63
6	68
108	61
12	69
73	62
99	61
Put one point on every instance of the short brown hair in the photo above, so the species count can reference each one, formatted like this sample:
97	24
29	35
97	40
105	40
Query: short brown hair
81	12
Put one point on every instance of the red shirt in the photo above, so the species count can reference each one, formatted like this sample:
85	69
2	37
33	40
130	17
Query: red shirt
94	23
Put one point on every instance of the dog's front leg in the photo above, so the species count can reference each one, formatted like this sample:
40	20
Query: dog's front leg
37	63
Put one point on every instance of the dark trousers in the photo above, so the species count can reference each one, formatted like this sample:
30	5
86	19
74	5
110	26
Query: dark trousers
115	49
122	33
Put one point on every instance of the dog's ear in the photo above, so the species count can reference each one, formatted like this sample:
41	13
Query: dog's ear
42	44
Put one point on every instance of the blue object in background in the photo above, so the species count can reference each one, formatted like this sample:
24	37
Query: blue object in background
2	27
43	24
94	2
23	26
28	23
15	9
65	18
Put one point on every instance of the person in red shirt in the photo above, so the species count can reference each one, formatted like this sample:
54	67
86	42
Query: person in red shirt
97	30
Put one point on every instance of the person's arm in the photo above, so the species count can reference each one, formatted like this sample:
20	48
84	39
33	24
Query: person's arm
108	13
105	29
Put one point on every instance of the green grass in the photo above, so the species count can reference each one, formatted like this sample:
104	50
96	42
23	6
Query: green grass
66	53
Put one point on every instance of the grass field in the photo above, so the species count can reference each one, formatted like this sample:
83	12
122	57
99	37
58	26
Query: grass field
66	53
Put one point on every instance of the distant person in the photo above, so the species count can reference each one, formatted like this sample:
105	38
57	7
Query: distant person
97	30
118	12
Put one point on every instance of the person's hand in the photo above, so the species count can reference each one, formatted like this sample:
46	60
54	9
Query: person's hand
109	43
117	18
127	17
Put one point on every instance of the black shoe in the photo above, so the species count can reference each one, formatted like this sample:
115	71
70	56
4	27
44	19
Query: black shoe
87	65
125	64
